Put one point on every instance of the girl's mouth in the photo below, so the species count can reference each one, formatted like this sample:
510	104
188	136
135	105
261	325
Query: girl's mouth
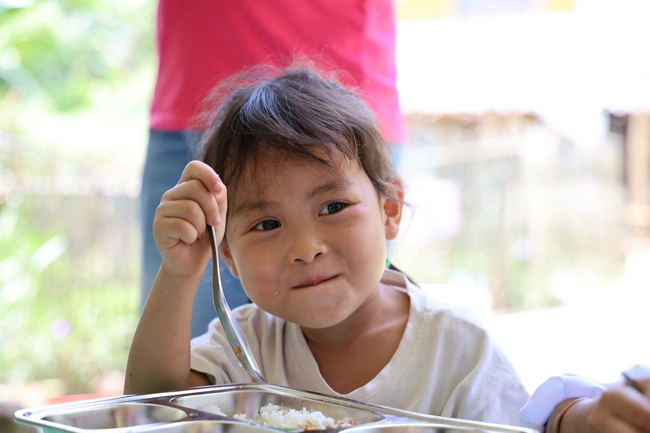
314	281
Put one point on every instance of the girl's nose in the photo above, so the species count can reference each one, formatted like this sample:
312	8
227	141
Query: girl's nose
305	247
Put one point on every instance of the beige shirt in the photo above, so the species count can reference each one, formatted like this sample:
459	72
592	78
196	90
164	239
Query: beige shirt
447	364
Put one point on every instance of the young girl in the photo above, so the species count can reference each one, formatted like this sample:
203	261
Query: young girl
311	201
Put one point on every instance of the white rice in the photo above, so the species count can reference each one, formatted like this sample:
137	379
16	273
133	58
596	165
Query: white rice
213	408
277	416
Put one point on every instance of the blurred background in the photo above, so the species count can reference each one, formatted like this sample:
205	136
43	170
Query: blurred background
527	170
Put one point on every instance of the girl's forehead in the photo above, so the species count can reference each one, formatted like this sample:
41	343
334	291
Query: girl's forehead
275	163
261	179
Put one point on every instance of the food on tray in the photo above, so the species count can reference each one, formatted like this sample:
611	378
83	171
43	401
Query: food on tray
278	416
213	408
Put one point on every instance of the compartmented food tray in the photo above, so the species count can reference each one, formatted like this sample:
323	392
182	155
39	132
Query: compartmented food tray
233	409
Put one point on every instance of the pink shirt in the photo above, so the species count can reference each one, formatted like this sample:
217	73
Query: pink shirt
200	42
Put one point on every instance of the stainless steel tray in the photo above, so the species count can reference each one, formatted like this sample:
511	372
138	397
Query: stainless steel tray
187	412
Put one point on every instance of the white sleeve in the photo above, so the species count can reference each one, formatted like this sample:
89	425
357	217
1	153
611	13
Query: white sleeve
537	410
213	355
539	406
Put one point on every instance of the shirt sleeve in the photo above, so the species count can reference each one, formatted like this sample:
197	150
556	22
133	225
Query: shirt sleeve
503	410
212	354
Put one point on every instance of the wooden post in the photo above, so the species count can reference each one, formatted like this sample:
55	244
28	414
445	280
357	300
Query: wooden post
637	212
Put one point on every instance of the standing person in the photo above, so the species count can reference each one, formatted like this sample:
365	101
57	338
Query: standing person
303	203
203	41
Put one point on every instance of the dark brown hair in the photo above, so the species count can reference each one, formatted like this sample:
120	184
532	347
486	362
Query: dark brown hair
302	113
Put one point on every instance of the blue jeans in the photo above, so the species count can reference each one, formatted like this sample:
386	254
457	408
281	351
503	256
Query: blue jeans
396	155
168	152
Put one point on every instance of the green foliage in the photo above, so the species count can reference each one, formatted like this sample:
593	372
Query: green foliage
55	322
75	77
59	52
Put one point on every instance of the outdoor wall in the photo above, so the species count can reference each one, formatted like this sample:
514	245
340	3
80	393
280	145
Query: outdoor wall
503	204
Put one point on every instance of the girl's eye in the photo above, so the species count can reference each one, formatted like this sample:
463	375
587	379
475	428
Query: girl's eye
332	208
267	225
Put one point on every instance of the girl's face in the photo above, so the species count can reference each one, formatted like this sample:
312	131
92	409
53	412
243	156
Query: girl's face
308	242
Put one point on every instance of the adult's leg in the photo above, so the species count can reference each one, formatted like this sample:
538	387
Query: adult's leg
168	152
397	155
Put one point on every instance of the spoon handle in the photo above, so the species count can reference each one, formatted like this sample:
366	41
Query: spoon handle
231	327
631	383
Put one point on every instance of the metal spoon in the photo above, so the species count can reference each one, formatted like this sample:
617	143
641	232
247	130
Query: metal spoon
230	325
631	383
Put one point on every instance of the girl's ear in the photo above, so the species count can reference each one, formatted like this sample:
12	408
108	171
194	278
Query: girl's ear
224	251
393	209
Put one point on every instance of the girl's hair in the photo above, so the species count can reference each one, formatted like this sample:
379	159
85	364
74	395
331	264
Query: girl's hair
297	111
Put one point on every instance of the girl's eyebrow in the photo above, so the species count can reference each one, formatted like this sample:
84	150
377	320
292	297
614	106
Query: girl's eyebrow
337	184
251	206
260	204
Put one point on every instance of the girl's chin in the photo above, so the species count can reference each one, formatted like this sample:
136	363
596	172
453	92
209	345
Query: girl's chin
318	319
305	315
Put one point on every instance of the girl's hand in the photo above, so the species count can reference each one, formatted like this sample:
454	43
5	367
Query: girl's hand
621	409
182	219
